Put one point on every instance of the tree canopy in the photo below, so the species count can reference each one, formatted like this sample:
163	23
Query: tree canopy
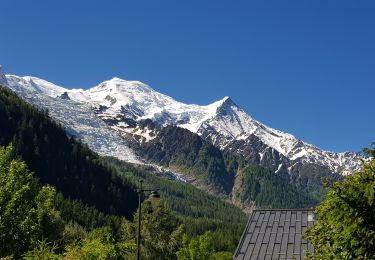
161	232
26	210
345	228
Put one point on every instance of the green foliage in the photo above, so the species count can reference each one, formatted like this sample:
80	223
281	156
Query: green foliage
91	249
72	233
345	228
100	244
310	178
222	256
201	248
42	251
226	234
75	171
199	211
269	190
86	216
27	212
161	232
182	198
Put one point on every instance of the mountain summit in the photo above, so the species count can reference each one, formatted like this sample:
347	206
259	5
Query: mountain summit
122	104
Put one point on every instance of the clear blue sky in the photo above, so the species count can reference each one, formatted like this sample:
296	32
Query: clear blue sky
304	67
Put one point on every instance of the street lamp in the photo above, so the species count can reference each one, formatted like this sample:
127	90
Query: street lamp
154	195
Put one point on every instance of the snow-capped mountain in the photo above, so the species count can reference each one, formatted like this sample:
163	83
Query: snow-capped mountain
103	114
77	118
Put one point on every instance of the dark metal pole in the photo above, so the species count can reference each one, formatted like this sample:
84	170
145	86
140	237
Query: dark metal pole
139	219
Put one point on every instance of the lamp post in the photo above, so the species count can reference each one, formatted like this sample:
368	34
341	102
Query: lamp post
154	195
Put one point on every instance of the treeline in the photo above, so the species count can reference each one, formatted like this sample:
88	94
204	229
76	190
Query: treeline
85	216
310	179
181	149
182	198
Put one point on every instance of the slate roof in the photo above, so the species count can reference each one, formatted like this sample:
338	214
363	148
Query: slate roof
276	234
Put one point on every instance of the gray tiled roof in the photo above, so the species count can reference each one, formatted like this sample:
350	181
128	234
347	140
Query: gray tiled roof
276	234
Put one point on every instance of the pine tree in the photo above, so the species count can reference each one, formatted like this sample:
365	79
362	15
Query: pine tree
161	232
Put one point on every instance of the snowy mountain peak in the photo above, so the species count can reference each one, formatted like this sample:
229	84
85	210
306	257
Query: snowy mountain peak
40	85
222	123
225	101
226	105
121	85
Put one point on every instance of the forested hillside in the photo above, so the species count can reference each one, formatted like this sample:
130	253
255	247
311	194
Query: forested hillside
183	198
257	185
198	210
233	177
63	162
179	148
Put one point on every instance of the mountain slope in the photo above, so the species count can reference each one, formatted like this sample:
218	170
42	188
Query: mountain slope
58	160
222	123
201	163
247	185
79	119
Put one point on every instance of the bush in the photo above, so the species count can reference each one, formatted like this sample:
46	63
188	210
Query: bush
345	228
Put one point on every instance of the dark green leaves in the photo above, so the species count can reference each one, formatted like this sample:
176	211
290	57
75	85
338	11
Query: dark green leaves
346	225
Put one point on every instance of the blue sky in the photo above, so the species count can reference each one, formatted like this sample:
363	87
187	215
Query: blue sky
304	67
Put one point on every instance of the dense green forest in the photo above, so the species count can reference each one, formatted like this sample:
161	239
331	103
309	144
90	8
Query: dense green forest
63	162
198	210
183	198
263	187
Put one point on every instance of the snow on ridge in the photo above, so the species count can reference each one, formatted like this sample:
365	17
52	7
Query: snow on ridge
118	94
240	126
78	119
122	92
140	101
